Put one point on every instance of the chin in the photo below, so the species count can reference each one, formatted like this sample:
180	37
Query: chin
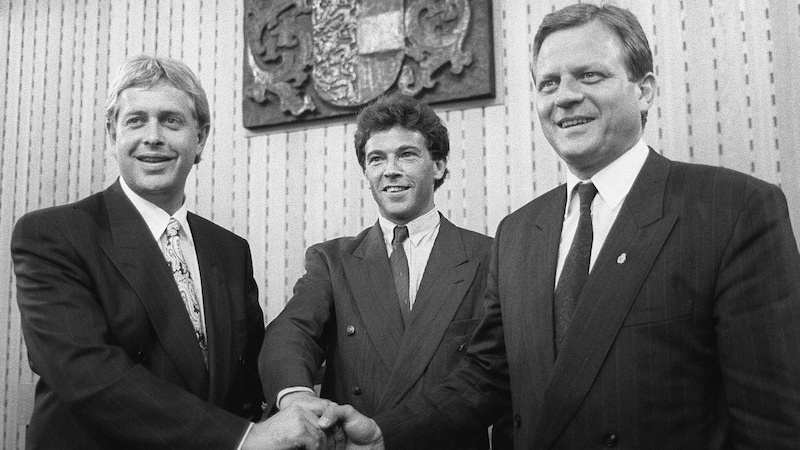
574	151
395	216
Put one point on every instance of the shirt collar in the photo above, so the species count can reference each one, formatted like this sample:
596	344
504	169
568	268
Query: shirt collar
417	228
155	217
614	181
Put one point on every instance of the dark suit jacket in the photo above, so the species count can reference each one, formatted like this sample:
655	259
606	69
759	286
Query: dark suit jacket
108	333
345	311
687	333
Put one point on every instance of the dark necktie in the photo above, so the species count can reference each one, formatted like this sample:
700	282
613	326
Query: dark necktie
399	264
180	271
576	266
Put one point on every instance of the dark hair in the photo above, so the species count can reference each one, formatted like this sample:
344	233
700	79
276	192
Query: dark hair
402	110
635	48
147	71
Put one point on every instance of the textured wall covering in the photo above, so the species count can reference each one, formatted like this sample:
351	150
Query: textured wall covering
727	71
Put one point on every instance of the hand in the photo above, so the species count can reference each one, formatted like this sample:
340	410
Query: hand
316	405
306	400
293	427
361	431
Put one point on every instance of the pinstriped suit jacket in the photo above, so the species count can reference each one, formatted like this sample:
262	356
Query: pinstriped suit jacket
107	331
687	333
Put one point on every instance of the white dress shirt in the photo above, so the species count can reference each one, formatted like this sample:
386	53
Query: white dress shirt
613	184
157	220
422	233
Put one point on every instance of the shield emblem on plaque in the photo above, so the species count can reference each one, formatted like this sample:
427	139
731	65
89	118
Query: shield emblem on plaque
311	59
358	49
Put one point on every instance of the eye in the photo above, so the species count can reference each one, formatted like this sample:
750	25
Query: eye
374	159
591	77
173	121
547	86
134	121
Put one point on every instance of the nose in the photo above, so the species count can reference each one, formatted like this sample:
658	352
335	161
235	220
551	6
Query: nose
152	133
392	167
569	92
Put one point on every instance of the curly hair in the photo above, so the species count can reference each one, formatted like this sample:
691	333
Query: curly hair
402	110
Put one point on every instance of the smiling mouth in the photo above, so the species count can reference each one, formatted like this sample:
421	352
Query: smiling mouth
568	123
153	159
395	189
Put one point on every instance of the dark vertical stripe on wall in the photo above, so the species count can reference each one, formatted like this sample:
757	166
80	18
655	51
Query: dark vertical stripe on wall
286	189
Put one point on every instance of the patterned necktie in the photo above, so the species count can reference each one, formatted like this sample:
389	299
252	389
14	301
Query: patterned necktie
399	264
576	266
180	270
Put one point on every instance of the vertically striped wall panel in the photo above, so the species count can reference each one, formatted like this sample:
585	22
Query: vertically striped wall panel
727	74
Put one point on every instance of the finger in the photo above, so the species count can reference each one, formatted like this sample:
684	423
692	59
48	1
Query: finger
332	444
339	438
322	439
313	404
313	438
316	405
332	414
309	416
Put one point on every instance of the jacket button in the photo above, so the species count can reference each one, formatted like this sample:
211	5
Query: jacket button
357	390
610	439
350	330
141	356
461	347
517	421
242	361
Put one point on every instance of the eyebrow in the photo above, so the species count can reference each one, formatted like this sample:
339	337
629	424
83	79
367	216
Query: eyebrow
160	115
401	148
408	147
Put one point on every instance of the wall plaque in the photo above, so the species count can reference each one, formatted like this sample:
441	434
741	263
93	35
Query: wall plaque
313	59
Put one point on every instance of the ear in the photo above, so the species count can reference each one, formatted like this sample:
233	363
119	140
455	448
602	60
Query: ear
439	168
202	137
111	131
647	91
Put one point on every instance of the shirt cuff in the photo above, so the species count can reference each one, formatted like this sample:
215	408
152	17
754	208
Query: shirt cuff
244	438
292	390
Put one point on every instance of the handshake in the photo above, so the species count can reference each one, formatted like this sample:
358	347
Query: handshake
308	422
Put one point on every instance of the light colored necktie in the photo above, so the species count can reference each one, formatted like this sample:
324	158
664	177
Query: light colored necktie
399	264
180	271
576	266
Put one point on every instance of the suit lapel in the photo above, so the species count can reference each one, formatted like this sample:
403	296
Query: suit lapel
216	308
370	278
542	260
139	259
638	233
444	283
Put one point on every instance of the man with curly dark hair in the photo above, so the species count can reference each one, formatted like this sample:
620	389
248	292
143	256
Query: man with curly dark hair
389	311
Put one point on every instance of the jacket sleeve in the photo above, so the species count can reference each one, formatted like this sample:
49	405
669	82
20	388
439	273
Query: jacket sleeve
72	348
295	342
248	395
757	316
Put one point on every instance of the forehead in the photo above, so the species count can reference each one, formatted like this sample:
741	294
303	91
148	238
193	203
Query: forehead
590	43
395	138
159	97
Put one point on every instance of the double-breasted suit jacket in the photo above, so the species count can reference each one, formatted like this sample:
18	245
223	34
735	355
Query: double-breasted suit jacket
686	335
345	311
107	331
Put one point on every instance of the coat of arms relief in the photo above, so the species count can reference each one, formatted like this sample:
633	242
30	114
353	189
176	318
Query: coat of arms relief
314	59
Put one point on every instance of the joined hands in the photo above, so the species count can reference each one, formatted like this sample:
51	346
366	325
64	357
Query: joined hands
309	422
